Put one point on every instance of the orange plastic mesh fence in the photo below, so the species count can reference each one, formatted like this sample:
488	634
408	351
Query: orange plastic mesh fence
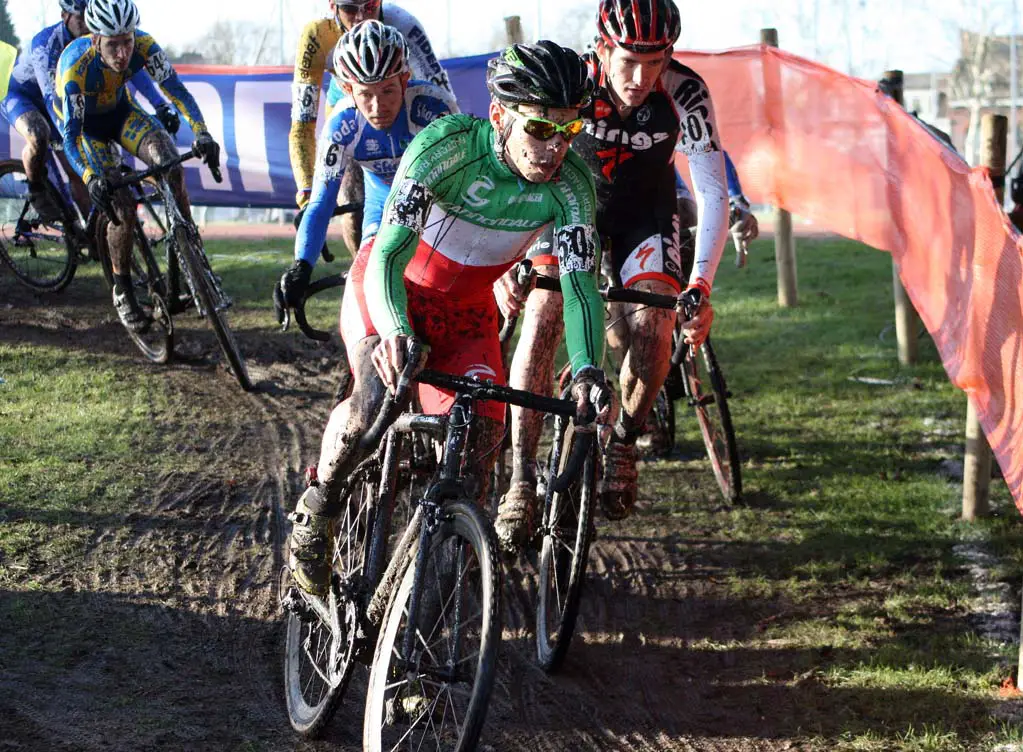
831	148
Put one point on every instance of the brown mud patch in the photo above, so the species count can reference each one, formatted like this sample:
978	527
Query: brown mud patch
166	635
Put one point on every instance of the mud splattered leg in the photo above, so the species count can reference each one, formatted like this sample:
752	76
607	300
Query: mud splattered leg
350	419
34	128
157	148
532	369
648	356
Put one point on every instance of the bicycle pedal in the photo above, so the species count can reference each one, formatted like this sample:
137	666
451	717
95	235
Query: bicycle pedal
292	602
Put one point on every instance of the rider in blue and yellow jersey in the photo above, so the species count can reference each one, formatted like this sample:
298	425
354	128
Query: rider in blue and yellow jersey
31	102
99	113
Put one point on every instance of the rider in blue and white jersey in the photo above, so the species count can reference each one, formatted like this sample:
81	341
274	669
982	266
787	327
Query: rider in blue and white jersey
33	107
371	126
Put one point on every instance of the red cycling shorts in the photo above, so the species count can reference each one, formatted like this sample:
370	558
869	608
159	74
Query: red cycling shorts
462	335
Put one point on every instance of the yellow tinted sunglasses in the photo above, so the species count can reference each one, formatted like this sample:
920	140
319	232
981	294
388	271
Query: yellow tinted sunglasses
543	129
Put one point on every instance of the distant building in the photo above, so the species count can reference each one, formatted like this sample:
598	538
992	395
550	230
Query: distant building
982	72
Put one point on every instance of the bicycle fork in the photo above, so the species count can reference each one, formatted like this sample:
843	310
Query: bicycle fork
447	486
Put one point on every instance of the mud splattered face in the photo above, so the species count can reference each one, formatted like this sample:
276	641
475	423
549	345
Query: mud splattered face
380	103
535	160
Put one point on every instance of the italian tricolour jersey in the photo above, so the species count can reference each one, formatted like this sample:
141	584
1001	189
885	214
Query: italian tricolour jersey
457	218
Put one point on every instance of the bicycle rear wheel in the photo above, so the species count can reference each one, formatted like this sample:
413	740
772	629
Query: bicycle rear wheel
321	634
708	395
189	247
564	551
42	254
435	695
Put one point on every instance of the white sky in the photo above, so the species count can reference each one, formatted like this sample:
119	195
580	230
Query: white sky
864	37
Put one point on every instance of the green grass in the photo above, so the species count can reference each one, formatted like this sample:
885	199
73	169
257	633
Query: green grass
845	543
849	523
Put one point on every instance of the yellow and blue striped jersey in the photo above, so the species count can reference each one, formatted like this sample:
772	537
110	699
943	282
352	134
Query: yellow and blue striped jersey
88	88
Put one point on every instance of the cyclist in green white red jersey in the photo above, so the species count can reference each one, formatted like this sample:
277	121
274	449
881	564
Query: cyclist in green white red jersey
469	198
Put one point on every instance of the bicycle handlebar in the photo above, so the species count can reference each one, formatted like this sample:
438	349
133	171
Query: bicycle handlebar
134	178
625	295
481	389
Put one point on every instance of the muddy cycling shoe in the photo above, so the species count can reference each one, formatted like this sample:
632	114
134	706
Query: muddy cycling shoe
128	311
515	515
653	439
618	486
309	544
44	205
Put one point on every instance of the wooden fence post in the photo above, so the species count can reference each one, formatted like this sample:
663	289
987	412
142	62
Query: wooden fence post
784	244
907	320
513	29
977	463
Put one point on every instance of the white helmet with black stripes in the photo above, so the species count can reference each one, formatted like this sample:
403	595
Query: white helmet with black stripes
369	53
111	18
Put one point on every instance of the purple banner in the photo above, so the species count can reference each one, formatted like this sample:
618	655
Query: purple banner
248	111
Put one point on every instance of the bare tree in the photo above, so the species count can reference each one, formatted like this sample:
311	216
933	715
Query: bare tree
239	43
973	81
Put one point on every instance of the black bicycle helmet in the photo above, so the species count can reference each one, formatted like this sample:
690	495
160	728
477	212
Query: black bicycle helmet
544	74
639	25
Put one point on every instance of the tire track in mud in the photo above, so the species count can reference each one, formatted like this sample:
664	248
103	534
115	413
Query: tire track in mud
629	682
185	586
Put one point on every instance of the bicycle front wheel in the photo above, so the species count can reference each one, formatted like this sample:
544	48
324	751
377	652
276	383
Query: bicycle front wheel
567	531
708	395
432	674
194	259
41	252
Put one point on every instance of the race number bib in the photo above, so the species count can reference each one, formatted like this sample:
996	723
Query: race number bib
76	107
305	103
159	67
410	206
577	249
696	134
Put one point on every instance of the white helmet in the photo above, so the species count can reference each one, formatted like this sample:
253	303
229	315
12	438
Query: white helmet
369	53
73	6
111	18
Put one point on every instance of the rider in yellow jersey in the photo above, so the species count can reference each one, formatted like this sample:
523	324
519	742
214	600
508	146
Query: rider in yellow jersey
313	58
99	114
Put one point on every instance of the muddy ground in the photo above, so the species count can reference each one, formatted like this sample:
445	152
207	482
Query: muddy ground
167	634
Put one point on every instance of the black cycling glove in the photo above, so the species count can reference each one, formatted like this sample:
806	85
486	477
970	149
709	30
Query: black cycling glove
207	149
295	282
592	393
169	118
99	194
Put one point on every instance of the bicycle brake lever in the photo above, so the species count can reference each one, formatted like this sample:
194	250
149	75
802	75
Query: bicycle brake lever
412	355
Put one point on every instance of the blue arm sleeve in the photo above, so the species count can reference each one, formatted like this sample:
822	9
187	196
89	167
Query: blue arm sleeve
145	86
334	93
312	232
734	186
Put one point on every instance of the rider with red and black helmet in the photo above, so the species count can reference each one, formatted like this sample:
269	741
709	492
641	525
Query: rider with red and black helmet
646	107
